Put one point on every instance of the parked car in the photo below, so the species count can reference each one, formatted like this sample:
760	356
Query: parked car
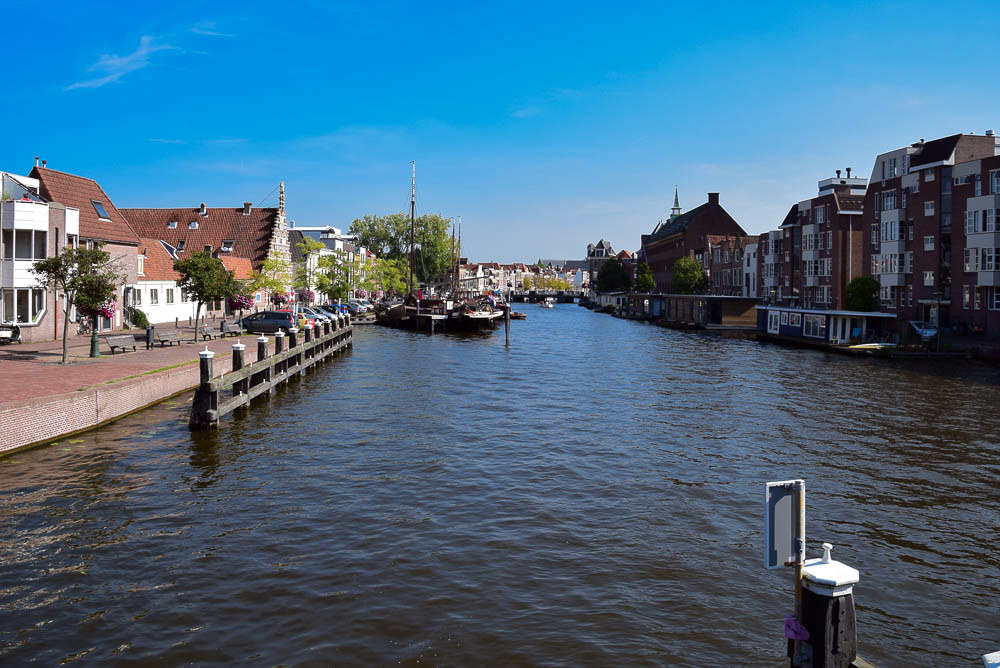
314	313
331	311
303	319
361	307
354	309
267	322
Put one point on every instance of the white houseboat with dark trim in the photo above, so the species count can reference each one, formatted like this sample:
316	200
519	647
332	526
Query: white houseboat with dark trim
825	326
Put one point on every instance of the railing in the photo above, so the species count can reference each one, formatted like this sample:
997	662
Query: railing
264	375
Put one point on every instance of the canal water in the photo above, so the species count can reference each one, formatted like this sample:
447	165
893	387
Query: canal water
591	495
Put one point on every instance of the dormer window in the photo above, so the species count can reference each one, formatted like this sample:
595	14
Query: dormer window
102	213
180	245
227	246
193	225
172	225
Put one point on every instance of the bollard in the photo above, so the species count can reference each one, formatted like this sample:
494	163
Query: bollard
279	347
240	386
261	348
828	611
149	336
293	339
506	323
204	399
307	338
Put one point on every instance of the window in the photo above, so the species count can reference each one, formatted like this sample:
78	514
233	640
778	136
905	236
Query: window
795	319
929	243
227	245
773	322
965	297
170	295
814	326
889	199
971	259
24	305
961	180
979	297
138	296
986	259
979	185
928	176
180	245
892	168
140	270
995	182
40	244
928	208
909	294
154	296
874	267
25	244
208	248
929	279
193	225
993	299
908	266
102	213
172	225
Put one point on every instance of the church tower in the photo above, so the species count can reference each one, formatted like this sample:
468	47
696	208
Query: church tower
676	211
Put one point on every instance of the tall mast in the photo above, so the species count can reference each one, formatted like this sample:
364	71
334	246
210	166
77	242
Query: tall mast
453	269
413	208
459	259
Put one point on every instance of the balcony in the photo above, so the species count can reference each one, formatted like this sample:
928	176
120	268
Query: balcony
770	281
894	279
893	215
988	279
897	247
812	281
983	240
810	254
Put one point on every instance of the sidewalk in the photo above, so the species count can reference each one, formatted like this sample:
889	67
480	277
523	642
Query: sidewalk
43	399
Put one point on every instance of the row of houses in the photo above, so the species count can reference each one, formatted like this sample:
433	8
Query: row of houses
925	224
476	277
49	210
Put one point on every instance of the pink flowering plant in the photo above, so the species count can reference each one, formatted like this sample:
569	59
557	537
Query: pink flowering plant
241	302
108	309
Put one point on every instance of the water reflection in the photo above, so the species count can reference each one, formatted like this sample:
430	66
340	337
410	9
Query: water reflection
577	498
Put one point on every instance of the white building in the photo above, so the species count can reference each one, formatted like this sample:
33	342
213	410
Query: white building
750	270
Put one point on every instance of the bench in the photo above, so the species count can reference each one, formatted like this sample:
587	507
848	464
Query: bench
122	341
170	336
206	333
232	330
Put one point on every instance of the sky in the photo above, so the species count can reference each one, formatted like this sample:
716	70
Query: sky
545	126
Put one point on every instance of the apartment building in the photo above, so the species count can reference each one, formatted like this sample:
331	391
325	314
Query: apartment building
975	285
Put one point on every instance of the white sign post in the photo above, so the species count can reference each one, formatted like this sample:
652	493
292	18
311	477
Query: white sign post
781	523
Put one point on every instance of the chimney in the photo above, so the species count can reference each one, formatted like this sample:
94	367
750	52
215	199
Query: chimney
246	208
36	161
203	210
713	198
838	173
44	162
989	133
848	172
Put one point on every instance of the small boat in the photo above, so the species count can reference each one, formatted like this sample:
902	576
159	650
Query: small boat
548	302
926	330
517	315
872	346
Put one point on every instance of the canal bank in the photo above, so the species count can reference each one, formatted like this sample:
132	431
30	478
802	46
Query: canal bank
589	495
55	401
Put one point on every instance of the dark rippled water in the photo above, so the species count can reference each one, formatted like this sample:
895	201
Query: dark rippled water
592	495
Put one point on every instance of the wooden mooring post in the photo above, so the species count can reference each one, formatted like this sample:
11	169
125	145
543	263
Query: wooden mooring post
262	377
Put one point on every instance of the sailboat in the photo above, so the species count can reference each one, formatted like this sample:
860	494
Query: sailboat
430	314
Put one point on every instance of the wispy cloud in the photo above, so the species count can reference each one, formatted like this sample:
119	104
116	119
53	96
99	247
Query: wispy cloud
208	28
226	141
167	141
553	96
115	66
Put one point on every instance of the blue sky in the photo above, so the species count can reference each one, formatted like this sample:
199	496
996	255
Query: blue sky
545	126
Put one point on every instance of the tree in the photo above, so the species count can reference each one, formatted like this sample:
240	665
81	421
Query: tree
689	277
305	274
274	277
644	278
206	279
527	283
389	275
88	279
333	276
612	277
389	237
862	294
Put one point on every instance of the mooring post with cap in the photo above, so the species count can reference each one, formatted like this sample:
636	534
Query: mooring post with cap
205	399
293	342
279	347
240	386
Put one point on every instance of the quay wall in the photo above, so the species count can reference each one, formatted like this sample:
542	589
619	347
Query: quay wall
28	422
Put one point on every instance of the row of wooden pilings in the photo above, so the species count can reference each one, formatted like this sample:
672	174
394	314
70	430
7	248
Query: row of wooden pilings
263	376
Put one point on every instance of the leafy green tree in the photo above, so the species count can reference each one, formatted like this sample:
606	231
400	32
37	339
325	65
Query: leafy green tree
527	283
88	279
861	294
305	274
388	274
206	279
612	277
644	278
274	277
689	277
333	276
389	237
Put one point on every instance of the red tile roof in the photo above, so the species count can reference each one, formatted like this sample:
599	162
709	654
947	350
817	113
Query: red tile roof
250	234
240	266
158	265
77	192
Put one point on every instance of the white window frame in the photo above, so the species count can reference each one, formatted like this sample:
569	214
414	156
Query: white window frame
929	208
929	242
929	279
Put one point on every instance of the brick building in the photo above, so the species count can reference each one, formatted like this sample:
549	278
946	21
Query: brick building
975	250
726	265
686	235
909	213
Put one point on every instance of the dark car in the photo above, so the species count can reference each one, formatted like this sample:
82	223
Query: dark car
268	322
